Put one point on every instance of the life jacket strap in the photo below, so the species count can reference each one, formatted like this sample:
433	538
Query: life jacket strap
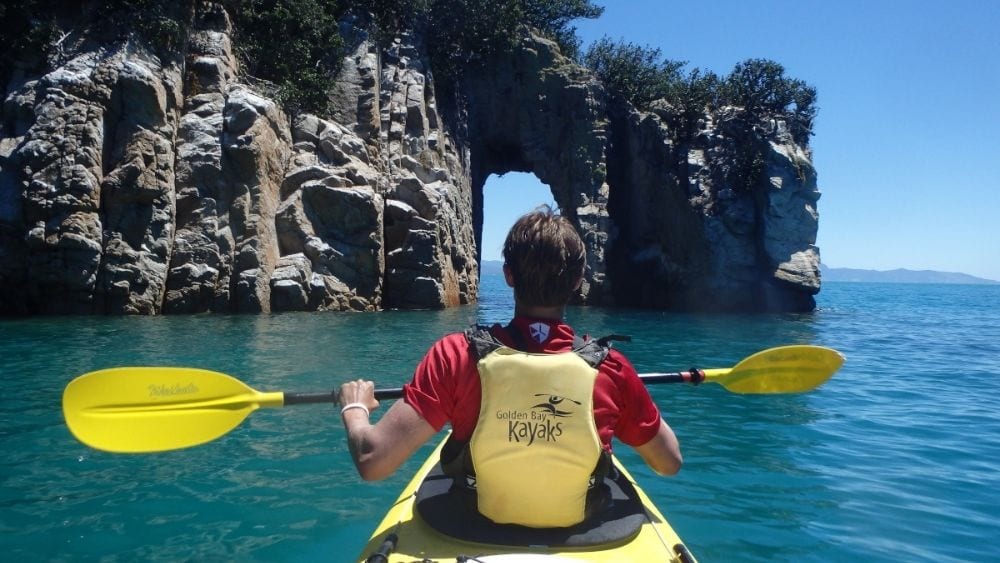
593	351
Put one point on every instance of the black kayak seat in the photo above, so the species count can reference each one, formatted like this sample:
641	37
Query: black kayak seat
448	513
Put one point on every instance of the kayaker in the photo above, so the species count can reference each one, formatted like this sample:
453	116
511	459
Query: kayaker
533	429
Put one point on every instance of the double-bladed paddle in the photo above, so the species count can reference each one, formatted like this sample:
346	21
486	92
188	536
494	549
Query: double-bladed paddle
153	409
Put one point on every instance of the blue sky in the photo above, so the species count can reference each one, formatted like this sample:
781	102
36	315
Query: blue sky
907	141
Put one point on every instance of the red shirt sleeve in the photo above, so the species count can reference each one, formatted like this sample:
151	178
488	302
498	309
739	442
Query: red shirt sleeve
445	385
638	418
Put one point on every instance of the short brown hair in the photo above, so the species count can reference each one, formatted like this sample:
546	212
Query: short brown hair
546	258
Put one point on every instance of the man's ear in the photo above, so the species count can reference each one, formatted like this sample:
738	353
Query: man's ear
508	276
579	282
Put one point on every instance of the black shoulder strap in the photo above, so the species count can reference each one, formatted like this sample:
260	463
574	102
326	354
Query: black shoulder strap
594	351
481	341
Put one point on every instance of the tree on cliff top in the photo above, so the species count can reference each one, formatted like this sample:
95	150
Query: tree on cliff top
466	33
640	76
294	44
29	28
636	74
35	30
760	87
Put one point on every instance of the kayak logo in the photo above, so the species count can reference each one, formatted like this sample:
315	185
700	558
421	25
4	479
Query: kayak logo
539	332
552	405
171	390
538	424
528	432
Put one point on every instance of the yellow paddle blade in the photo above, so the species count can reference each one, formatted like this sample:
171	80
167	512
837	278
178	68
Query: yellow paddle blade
152	409
785	369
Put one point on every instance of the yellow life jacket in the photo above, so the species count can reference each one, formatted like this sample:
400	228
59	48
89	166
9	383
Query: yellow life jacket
535	446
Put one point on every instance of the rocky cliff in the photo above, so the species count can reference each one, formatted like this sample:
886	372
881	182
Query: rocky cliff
137	184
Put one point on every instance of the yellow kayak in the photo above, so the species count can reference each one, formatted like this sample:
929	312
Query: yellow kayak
405	535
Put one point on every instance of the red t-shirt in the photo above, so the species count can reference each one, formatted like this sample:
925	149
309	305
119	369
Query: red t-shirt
445	387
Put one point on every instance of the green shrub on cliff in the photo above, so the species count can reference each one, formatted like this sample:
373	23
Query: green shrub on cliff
760	87
390	16
294	44
160	23
464	34
641	76
29	27
554	16
632	72
37	30
692	95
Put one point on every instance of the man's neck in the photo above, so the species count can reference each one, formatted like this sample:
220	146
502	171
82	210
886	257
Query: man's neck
556	313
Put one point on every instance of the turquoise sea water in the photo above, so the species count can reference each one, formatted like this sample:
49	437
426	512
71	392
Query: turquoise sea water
897	458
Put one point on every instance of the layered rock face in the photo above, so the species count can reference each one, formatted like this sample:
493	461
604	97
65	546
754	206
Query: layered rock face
136	185
725	220
87	182
140	185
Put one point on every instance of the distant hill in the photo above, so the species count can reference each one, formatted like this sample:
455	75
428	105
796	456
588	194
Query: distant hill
899	275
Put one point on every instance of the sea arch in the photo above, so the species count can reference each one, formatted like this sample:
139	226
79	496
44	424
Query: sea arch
538	112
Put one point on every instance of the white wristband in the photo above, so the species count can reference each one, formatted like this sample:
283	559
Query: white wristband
350	406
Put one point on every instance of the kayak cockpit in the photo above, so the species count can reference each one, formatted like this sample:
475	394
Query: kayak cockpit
449	511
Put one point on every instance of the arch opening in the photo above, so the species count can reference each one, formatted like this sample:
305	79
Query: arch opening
506	197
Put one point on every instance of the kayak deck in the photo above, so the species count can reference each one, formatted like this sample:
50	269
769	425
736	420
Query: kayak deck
417	541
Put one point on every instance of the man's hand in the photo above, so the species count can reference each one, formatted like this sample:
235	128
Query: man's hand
359	392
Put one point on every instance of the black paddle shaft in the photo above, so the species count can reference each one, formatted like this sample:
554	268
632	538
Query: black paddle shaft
307	398
693	376
331	396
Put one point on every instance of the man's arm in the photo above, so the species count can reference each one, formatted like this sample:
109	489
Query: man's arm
663	452
379	449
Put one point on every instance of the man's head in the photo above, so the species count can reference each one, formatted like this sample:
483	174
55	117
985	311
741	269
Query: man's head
545	259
